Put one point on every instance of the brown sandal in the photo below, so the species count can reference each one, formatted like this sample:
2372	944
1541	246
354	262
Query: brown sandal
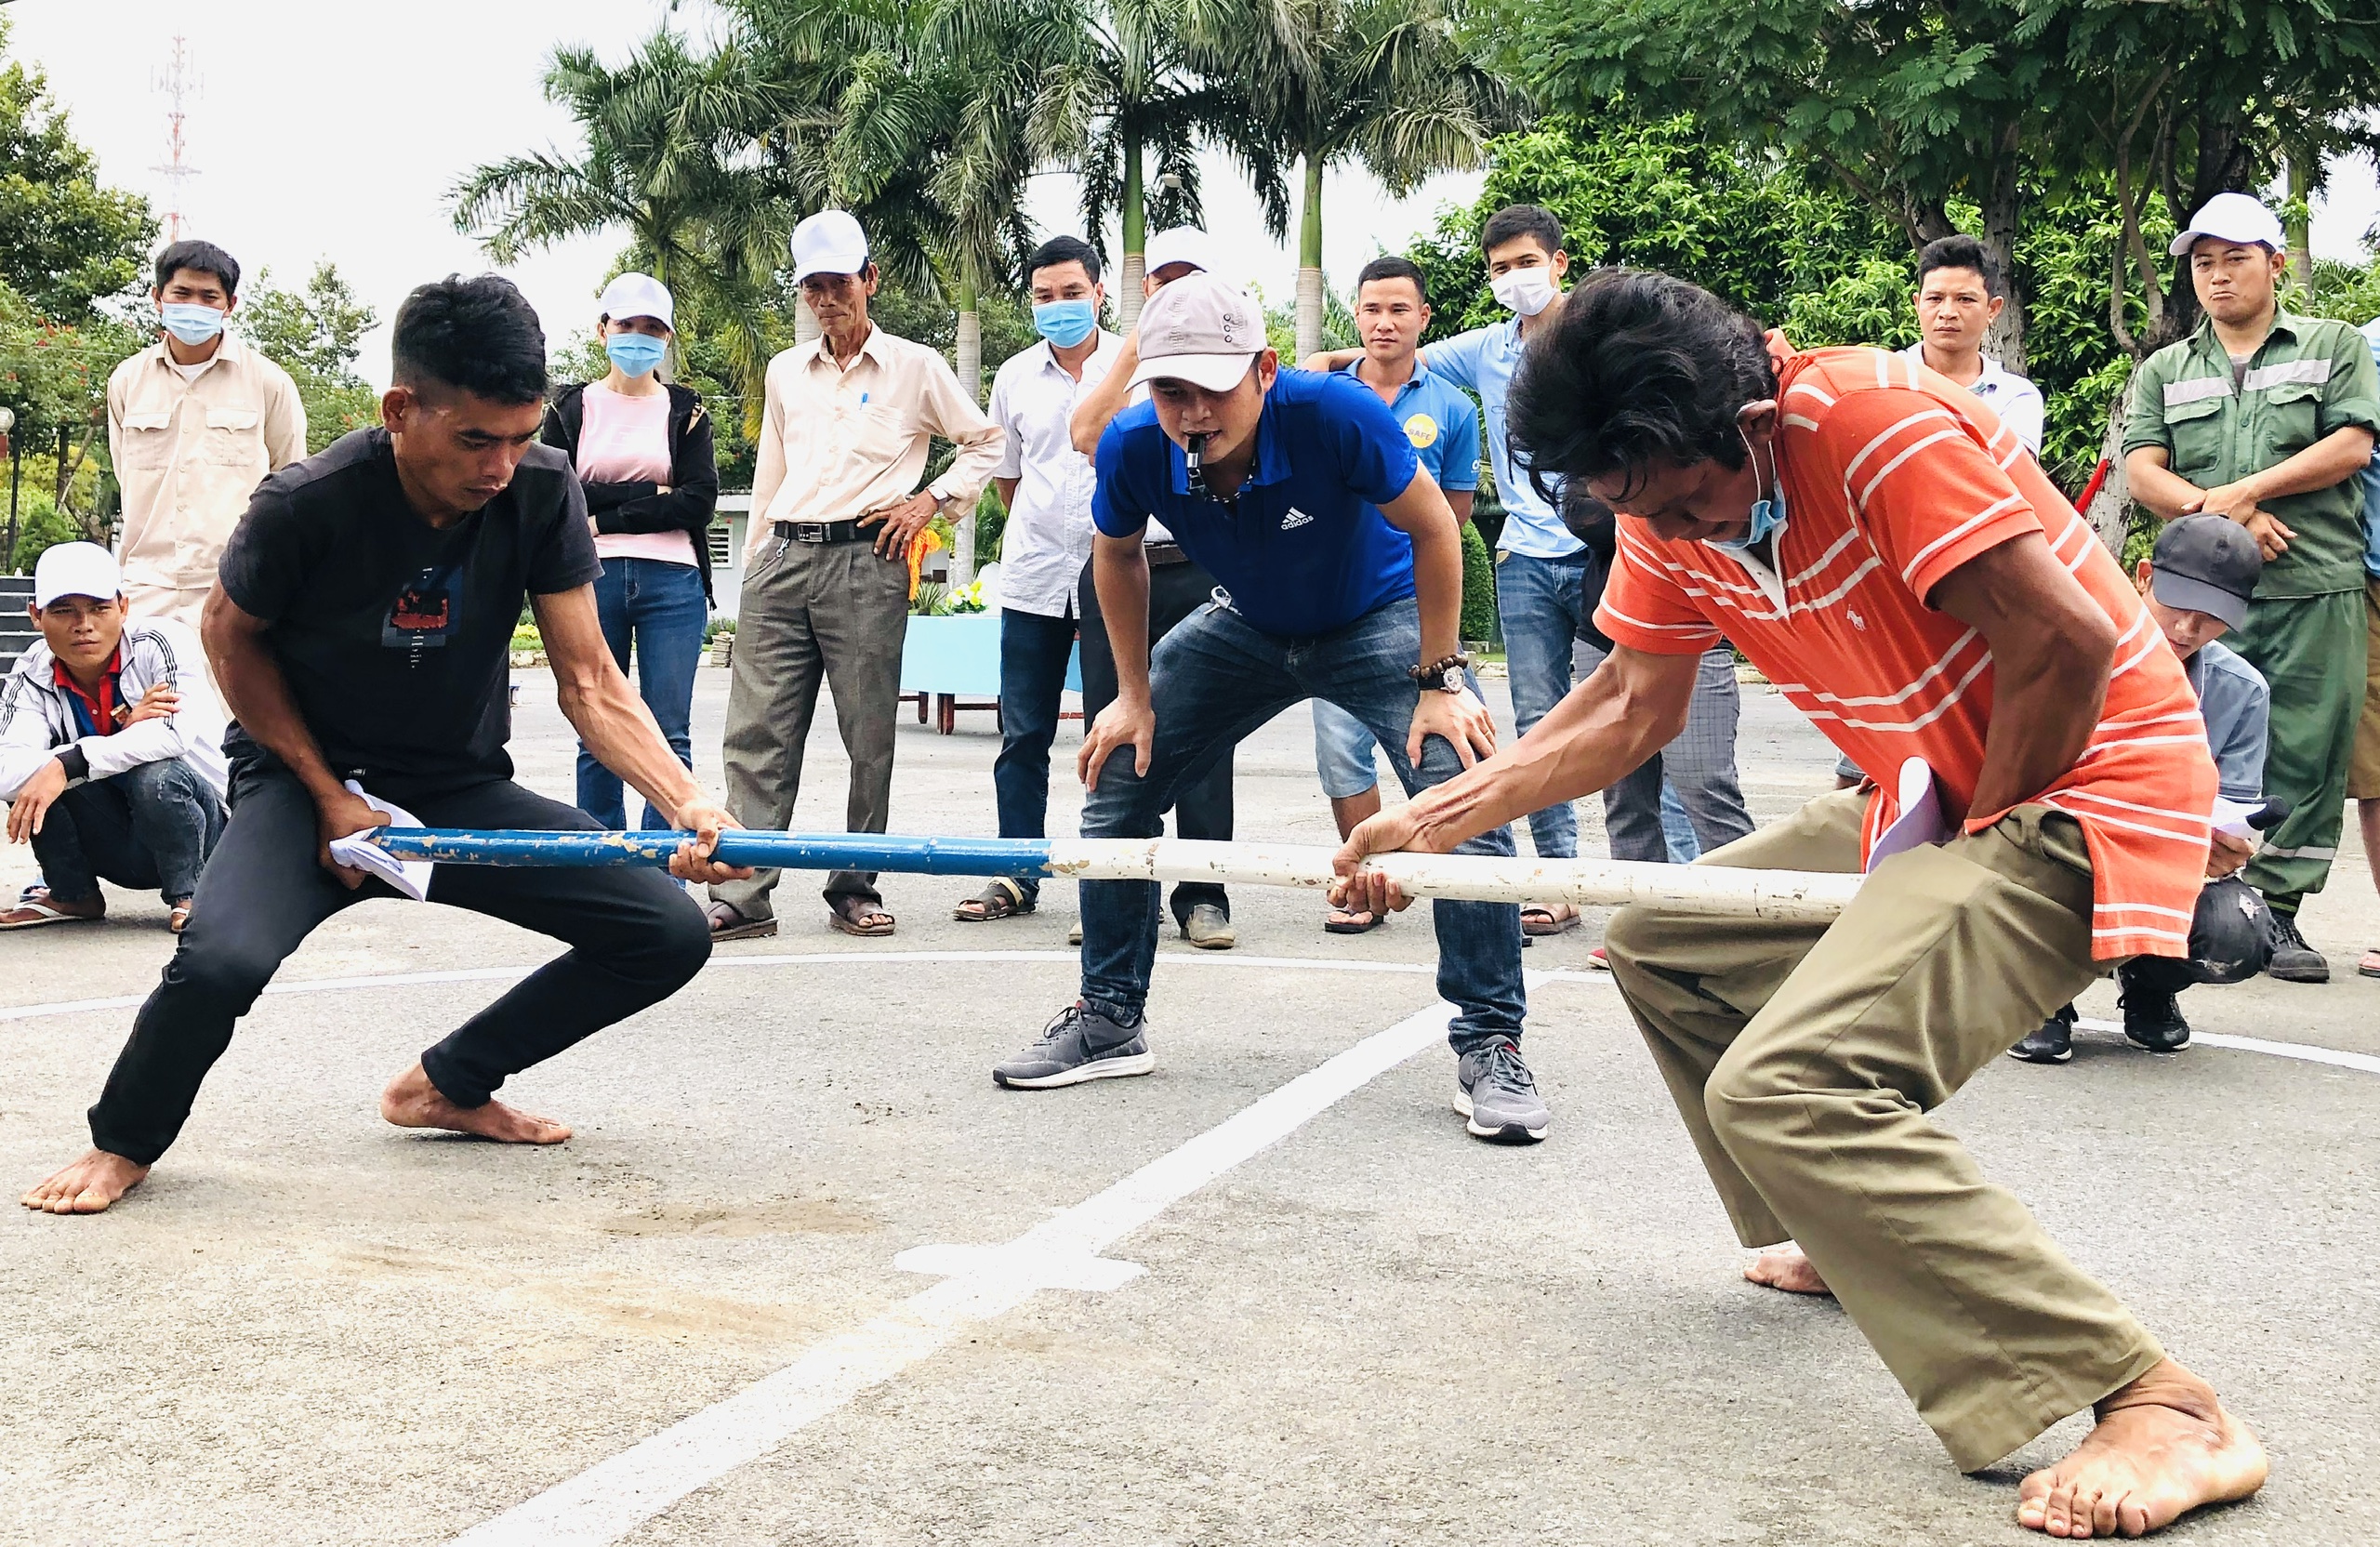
727	923
855	914
1002	899
1538	920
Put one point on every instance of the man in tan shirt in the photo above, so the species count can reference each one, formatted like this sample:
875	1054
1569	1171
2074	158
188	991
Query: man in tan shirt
194	423
844	439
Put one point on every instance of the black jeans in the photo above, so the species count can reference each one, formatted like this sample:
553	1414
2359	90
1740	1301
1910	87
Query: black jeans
1035	652
148	827
635	938
1202	802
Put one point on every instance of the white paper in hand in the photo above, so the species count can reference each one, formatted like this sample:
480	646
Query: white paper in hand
2232	816
1921	814
409	876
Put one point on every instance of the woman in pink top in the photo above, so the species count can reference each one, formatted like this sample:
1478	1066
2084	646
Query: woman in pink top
643	448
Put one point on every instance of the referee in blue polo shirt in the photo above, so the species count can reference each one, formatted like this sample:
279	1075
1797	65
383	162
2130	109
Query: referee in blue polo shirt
1343	567
1442	425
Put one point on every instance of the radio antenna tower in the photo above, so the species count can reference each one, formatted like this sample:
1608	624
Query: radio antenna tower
177	85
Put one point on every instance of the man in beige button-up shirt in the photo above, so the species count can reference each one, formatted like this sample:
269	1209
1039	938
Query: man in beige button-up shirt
192	428
825	592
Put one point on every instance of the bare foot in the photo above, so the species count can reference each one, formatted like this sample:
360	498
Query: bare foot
411	1102
1787	1270
2163	1446
87	1186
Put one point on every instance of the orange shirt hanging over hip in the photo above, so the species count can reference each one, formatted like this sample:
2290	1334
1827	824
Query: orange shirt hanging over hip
1893	477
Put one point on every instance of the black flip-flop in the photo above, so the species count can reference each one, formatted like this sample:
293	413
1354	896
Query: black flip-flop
1342	922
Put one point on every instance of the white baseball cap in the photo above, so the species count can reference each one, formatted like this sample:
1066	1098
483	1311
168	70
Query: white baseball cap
828	242
77	569
1200	330
1181	245
639	296
2231	218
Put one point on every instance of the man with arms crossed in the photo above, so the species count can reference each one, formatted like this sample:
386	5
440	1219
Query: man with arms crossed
1344	569
1995	638
361	630
2267	417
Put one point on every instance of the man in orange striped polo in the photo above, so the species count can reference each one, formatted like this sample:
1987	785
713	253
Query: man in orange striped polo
1884	549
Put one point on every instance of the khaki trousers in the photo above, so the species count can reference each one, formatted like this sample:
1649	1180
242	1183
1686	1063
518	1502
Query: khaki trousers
808	612
1804	1059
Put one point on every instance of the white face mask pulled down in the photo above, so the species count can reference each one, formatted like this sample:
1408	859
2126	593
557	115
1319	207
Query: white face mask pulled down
1526	291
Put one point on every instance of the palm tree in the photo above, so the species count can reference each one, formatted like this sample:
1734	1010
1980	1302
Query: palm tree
1385	82
669	158
1123	92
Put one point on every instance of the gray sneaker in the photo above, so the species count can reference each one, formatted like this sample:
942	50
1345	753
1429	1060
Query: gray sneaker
1494	1088
1081	1044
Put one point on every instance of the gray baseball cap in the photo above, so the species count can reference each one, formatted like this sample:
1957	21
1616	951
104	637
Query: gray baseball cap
1200	330
2206	564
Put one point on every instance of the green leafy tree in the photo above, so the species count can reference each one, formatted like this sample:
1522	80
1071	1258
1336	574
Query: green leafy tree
1915	108
315	335
669	142
1382	82
66	242
1123	106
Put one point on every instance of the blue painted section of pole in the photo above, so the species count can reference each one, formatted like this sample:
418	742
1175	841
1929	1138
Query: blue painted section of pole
894	851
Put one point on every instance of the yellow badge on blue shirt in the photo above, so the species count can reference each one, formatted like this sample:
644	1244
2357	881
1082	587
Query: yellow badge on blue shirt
1423	430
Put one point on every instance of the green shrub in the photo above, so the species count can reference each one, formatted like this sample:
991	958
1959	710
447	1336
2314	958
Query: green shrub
1478	589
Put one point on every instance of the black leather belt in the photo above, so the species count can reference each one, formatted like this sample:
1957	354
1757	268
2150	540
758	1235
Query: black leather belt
819	531
1166	553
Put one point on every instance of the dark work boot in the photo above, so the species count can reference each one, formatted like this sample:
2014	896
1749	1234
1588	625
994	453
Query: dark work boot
2292	959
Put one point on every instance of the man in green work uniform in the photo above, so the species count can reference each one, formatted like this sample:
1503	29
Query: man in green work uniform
2267	417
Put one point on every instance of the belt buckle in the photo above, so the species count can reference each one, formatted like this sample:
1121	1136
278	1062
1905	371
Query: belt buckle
809	531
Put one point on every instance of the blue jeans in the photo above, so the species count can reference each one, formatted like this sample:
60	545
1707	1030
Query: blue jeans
1214	680
1035	652
1543	602
154	824
658	607
1343	752
1697	771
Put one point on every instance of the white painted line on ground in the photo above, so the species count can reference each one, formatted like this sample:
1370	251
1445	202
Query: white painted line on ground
607	1501
2302	1052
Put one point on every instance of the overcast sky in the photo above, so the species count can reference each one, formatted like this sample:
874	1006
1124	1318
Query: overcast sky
335	131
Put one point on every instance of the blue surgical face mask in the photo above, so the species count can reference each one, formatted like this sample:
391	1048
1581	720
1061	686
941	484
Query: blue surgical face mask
192	325
1066	323
1767	513
636	353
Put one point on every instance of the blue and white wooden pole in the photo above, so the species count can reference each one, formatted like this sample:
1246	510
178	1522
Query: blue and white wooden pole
1775	895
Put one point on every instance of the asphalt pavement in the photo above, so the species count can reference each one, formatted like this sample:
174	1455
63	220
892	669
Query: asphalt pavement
1290	1301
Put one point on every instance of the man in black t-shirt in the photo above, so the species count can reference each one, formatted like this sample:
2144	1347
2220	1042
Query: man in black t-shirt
360	627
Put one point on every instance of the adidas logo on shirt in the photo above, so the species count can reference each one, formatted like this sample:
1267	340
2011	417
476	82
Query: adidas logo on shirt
1295	519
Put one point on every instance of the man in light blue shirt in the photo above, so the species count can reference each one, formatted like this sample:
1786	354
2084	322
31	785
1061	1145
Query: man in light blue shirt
1541	568
1392	312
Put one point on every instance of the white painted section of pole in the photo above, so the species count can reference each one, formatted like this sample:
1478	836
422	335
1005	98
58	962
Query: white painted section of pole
1127	294
1782	896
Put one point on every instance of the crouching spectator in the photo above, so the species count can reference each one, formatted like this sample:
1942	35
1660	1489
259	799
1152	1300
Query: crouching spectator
2196	584
111	748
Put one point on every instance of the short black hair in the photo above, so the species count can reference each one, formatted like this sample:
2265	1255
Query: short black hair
204	256
1522	220
1390	266
1962	252
1638	368
1062	249
478	335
